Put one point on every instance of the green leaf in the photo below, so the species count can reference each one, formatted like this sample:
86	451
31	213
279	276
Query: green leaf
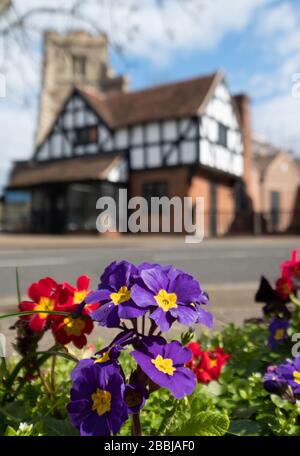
14	411
246	412
3	422
244	427
3	369
206	424
243	393
54	427
48	312
58	353
281	403
214	388
10	432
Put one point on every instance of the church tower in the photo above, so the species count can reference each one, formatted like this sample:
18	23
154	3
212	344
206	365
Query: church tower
74	58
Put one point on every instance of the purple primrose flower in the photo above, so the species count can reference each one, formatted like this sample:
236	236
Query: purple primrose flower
273	382
290	372
170	294
284	379
278	332
114	294
113	350
97	406
135	397
164	364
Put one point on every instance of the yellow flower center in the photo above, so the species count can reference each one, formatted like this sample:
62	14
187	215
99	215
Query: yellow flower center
297	377
165	300
79	296
45	304
213	363
121	296
101	401
164	365
279	334
73	326
103	358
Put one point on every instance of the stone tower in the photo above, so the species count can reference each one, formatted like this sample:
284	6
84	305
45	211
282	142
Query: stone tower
74	58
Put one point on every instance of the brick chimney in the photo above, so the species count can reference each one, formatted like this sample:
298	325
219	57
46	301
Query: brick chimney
243	104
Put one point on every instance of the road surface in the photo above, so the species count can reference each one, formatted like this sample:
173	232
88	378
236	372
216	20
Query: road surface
229	269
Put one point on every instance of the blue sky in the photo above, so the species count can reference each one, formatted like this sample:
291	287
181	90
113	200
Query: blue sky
256	43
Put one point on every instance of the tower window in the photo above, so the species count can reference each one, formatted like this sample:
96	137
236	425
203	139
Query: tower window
79	65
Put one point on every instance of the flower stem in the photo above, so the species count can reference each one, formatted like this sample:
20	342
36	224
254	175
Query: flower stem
134	324
136	425
152	328
53	365
45	384
18	286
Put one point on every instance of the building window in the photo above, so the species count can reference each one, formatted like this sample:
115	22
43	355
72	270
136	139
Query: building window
79	66
154	190
222	135
86	135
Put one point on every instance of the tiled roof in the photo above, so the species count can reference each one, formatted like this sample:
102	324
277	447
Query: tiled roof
69	170
176	100
263	161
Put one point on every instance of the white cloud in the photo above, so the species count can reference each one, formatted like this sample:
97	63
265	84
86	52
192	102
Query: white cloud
288	43
198	25
276	116
146	32
281	18
278	81
280	25
278	120
194	25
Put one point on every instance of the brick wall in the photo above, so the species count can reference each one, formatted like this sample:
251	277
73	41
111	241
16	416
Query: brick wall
282	176
176	180
179	184
226	208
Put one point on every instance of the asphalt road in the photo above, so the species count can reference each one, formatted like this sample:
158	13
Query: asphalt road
229	269
229	263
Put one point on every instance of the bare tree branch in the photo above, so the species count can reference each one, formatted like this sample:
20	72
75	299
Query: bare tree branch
21	28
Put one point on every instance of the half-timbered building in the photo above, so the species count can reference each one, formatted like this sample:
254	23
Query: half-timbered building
182	139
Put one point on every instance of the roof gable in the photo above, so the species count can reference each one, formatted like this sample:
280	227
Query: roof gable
264	163
177	100
117	110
